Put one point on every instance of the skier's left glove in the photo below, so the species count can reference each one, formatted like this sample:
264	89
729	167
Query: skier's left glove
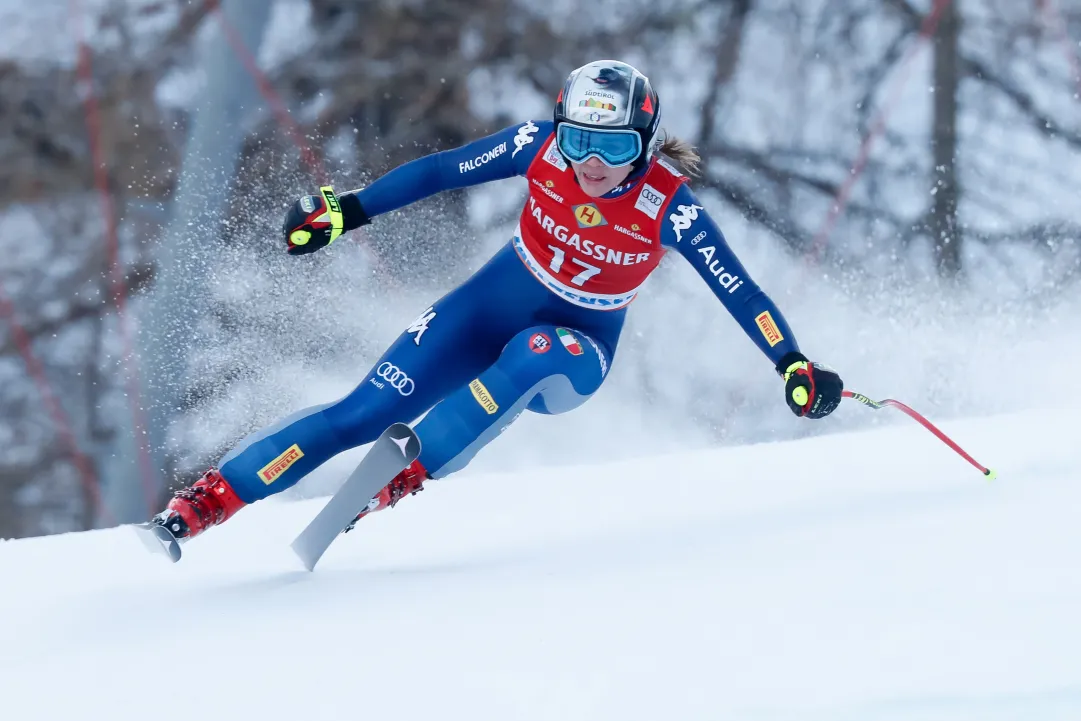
812	390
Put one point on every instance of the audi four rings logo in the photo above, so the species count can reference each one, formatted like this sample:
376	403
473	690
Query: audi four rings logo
651	196
396	377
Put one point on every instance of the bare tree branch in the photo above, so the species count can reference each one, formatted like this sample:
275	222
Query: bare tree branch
725	62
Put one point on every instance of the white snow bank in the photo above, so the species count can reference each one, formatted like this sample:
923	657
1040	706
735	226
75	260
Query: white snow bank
853	576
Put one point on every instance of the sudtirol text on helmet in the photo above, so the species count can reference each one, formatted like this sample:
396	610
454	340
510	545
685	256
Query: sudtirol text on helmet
609	96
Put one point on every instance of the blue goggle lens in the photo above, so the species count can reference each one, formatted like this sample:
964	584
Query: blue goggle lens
613	148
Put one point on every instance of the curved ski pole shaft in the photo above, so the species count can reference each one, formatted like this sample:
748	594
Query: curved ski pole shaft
879	405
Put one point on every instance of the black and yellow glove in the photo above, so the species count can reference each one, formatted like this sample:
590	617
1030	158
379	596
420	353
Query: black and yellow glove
316	221
812	390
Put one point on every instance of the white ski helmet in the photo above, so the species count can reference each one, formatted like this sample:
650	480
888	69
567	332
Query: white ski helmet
607	109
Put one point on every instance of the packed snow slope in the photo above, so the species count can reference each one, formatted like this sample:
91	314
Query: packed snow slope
859	576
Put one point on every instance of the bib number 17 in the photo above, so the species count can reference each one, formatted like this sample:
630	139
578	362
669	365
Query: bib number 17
558	256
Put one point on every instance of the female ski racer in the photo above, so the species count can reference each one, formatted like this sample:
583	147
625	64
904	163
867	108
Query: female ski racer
537	327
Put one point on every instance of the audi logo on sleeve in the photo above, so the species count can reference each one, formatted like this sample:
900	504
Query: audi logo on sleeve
395	377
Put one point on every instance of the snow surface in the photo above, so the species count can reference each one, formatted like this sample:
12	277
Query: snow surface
889	581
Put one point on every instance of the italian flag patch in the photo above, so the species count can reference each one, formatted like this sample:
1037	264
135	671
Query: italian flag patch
569	341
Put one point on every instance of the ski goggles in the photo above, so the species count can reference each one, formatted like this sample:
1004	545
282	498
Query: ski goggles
614	148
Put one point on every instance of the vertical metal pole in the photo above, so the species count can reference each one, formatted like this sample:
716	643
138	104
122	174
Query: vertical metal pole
172	313
946	231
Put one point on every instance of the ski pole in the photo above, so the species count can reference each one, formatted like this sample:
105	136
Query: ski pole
878	405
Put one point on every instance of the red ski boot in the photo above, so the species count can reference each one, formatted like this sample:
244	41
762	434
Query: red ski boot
210	501
409	481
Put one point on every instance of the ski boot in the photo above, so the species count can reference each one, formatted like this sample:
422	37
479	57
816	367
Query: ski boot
209	501
409	482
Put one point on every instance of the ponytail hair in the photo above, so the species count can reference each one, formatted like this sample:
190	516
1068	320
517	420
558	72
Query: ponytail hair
685	154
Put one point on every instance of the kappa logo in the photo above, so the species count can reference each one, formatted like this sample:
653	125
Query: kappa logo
553	157
483	397
420	325
273	470
524	137
650	201
588	216
682	219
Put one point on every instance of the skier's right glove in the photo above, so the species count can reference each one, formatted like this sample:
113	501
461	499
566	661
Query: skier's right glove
316	221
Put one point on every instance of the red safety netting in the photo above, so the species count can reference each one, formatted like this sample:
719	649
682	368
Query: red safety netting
308	155
117	283
60	419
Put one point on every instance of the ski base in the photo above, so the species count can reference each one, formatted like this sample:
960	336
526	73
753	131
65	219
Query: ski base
157	539
395	449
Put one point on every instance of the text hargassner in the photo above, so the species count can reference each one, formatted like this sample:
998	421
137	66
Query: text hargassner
588	247
482	158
